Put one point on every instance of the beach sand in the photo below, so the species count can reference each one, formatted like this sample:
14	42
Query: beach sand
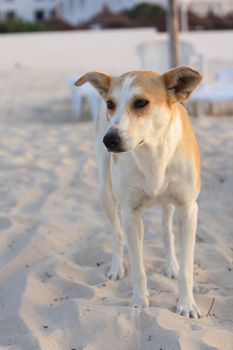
55	247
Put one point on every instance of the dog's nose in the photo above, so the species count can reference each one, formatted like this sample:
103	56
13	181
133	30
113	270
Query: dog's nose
112	140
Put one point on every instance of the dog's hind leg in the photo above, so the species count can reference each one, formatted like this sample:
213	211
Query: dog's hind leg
172	268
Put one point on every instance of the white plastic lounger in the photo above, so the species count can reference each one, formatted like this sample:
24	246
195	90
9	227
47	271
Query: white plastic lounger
215	98
219	91
155	55
87	91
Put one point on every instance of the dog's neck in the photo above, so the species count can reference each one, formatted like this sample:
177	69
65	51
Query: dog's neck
153	157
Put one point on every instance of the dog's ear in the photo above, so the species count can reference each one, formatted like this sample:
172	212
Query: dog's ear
100	81
180	83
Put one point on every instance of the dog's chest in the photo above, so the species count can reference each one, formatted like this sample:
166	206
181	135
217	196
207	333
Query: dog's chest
137	185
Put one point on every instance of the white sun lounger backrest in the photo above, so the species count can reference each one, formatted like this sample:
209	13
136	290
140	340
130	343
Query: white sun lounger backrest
155	55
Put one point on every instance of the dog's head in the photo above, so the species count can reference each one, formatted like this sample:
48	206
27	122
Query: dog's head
139	103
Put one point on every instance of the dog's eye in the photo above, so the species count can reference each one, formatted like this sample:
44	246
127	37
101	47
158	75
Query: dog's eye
110	104
140	103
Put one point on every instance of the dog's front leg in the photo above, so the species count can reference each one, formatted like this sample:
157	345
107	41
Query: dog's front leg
188	221
109	204
134	233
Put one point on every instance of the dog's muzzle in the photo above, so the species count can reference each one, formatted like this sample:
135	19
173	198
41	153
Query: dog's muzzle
113	141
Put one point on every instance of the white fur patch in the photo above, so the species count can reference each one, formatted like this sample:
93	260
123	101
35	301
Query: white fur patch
122	95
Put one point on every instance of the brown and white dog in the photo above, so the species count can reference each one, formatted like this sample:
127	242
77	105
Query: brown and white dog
147	154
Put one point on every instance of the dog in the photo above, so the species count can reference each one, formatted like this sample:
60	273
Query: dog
148	154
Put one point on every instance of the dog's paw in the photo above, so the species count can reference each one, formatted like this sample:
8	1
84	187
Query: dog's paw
188	309
172	270
116	272
139	302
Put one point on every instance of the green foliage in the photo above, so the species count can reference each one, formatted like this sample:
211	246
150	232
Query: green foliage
17	25
151	12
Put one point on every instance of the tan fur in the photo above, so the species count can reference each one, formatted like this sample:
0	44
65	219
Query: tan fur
150	83
180	82
188	146
154	89
98	80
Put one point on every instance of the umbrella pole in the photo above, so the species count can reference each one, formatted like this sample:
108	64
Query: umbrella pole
173	28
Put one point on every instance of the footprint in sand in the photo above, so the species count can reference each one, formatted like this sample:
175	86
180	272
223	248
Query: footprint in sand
45	190
92	255
7	200
5	223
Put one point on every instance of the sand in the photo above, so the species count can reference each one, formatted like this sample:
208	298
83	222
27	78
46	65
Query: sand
55	246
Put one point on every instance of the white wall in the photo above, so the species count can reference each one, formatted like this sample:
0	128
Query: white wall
76	51
108	50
